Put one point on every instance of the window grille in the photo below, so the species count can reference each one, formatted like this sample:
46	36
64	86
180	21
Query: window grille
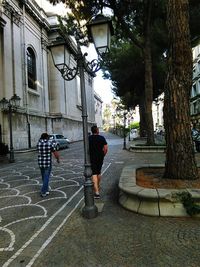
31	68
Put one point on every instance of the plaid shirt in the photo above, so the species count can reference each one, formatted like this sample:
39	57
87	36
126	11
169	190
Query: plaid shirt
45	147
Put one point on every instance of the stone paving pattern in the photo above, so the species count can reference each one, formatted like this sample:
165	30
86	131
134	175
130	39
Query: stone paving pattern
117	237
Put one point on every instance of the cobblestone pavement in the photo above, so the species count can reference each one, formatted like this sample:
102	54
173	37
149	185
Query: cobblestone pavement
52	232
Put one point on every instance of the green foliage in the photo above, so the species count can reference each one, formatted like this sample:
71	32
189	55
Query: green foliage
71	25
130	19
188	203
107	113
194	21
134	125
125	68
120	130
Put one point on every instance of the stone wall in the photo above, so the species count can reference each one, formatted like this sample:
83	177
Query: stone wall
38	124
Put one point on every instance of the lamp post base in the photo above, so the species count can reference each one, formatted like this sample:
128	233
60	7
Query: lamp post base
124	145
89	211
11	159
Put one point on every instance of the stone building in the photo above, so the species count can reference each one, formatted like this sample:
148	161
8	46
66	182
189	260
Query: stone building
195	92
98	110
157	113
48	102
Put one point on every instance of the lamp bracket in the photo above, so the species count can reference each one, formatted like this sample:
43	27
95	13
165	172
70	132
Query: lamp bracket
9	109
91	66
67	73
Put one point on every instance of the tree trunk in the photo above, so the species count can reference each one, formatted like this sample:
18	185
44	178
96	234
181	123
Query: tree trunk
142	118
180	158
148	77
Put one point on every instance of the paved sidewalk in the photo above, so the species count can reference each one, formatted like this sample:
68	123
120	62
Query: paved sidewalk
117	237
120	238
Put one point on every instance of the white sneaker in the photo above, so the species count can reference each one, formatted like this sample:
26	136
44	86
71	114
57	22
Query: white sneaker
96	196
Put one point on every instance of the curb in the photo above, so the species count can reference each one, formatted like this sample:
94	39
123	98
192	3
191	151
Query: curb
25	150
148	201
135	148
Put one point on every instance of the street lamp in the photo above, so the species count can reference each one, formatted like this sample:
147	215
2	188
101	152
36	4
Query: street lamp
124	115
10	106
60	55
114	123
129	116
100	30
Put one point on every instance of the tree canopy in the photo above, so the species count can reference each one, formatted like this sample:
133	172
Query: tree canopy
146	39
130	19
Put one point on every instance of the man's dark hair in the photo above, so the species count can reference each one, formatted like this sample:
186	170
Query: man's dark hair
44	136
94	129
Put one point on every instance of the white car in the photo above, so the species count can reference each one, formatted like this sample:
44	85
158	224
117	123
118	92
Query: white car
59	140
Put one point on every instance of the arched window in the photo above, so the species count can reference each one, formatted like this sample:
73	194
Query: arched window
31	68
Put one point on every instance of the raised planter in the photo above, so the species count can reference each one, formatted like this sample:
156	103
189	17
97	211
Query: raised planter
143	148
147	201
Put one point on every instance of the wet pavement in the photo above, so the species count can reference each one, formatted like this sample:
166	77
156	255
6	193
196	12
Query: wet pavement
51	231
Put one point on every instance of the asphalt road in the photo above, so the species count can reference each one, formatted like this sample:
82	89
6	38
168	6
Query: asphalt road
52	232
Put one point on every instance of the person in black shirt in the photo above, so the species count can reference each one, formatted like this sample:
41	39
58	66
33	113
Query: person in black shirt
98	149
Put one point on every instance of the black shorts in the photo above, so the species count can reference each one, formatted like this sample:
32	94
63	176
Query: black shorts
96	167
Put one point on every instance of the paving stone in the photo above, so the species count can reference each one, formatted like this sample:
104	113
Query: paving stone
117	237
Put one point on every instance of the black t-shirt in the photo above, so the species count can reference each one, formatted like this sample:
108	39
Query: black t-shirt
96	144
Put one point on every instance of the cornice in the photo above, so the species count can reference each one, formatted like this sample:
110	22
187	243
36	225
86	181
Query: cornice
32	9
11	12
2	22
35	12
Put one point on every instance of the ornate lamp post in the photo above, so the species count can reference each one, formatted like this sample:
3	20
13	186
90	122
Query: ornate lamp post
114	123
99	32
124	115
129	116
10	106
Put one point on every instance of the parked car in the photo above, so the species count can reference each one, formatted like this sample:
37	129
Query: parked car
59	140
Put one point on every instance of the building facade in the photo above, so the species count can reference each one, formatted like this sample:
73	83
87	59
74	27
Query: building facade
98	110
195	92
157	113
48	102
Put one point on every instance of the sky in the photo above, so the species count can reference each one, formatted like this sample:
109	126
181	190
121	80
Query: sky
103	88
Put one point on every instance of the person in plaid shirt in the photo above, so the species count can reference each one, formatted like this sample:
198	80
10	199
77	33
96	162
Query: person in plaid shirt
45	149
